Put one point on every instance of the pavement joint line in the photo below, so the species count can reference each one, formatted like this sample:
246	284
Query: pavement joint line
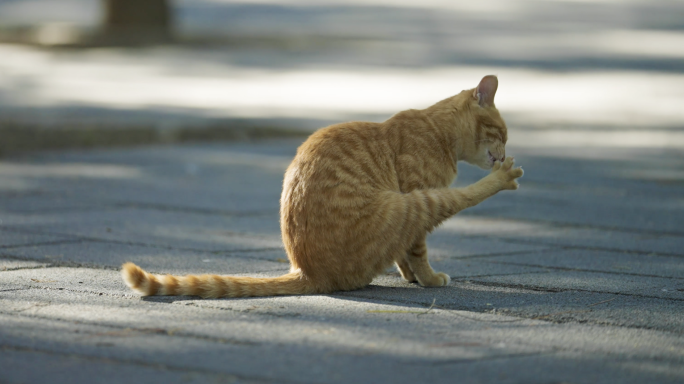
185	370
6	228
26	268
109	206
170	247
589	248
507	238
559	224
513	253
205	211
15	289
485	358
80	238
82	208
43	243
559	290
497	275
29	193
585	270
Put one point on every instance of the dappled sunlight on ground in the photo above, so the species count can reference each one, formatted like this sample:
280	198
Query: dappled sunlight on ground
42	79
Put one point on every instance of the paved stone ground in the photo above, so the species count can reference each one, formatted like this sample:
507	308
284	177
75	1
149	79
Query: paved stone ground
575	278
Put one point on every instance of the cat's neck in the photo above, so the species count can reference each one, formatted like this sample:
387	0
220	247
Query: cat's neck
454	126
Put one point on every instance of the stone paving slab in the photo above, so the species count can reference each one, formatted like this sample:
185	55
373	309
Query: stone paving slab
165	228
541	233
452	244
228	179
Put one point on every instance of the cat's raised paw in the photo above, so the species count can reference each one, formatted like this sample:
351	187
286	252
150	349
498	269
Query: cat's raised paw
507	174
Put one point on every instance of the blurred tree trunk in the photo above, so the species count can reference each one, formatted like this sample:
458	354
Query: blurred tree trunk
134	22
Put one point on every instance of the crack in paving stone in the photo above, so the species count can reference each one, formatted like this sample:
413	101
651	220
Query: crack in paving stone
225	377
583	270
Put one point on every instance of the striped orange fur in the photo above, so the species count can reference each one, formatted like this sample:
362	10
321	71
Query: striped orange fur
359	197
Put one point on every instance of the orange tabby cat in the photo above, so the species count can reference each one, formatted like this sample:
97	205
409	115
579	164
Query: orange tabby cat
359	197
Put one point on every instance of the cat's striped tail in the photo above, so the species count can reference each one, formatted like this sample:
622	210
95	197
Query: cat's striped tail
213	286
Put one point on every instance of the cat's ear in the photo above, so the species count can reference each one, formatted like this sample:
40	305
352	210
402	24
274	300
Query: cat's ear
485	91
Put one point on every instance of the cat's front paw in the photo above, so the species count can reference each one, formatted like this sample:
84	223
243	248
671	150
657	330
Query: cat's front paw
439	279
506	174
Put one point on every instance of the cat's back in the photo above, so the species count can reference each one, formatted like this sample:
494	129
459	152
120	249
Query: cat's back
352	153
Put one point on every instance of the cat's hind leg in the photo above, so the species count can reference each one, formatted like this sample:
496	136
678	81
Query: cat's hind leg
405	270
419	264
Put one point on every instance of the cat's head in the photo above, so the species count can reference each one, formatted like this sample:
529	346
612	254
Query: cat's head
490	132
